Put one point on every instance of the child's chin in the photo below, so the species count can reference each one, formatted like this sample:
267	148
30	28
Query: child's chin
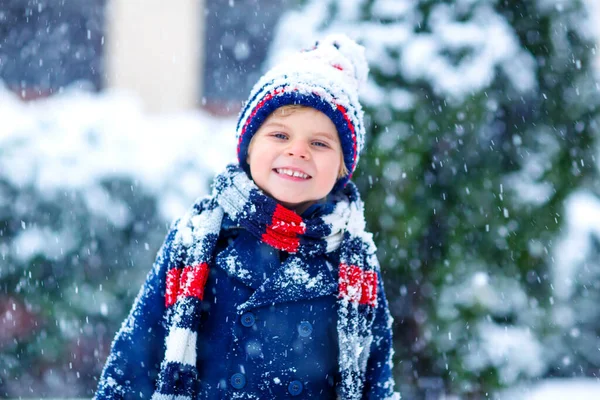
289	203
288	196
292	203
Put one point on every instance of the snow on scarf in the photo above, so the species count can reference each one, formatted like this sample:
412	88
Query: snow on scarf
197	232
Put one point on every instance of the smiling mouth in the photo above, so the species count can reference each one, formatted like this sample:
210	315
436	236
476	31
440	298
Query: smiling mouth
292	173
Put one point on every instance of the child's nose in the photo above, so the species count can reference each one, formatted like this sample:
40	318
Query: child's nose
298	148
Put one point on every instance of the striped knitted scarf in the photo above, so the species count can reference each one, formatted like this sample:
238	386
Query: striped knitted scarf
246	205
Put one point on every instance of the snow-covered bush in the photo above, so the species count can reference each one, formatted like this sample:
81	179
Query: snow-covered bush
576	281
483	119
88	187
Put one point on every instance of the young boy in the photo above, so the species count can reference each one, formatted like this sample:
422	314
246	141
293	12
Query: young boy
270	288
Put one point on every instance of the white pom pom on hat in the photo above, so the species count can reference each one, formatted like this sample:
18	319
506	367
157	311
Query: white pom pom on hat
353	55
326	77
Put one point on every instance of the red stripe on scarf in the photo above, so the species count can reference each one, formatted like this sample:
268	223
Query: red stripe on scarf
193	280
172	289
357	285
284	229
188	282
369	288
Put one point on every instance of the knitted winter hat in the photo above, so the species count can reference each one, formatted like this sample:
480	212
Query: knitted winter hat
327	78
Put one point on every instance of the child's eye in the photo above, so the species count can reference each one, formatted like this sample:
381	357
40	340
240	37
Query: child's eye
321	144
280	135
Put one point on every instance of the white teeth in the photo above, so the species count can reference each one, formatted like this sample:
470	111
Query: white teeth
291	173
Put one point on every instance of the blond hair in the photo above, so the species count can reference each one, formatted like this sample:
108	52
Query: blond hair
284	111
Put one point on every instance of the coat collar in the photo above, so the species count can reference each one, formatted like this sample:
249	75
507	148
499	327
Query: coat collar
296	279
245	258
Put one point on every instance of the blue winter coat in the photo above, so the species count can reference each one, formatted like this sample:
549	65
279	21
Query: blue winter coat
254	342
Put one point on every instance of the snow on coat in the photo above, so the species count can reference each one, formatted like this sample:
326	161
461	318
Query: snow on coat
155	353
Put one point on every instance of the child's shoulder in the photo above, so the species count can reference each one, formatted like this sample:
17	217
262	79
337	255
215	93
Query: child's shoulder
199	220
199	206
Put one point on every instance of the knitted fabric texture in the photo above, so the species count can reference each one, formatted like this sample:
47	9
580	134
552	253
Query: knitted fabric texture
327	78
197	232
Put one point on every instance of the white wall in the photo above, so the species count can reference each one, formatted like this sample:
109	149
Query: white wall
154	48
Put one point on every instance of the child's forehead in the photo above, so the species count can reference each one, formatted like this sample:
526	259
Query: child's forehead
285	119
293	113
285	111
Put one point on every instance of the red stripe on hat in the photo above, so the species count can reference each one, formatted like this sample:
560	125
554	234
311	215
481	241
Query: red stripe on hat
356	285
193	280
351	126
268	97
172	289
284	229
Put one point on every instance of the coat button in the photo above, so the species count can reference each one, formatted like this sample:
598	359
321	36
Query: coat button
295	388
305	329
238	380
248	319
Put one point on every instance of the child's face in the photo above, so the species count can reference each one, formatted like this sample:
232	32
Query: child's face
304	141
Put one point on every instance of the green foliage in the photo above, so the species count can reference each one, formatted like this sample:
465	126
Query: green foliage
465	189
72	262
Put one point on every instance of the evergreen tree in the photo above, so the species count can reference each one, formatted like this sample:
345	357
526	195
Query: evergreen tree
576	283
71	261
88	187
483	119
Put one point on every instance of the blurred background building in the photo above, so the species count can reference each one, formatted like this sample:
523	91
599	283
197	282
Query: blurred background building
179	56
